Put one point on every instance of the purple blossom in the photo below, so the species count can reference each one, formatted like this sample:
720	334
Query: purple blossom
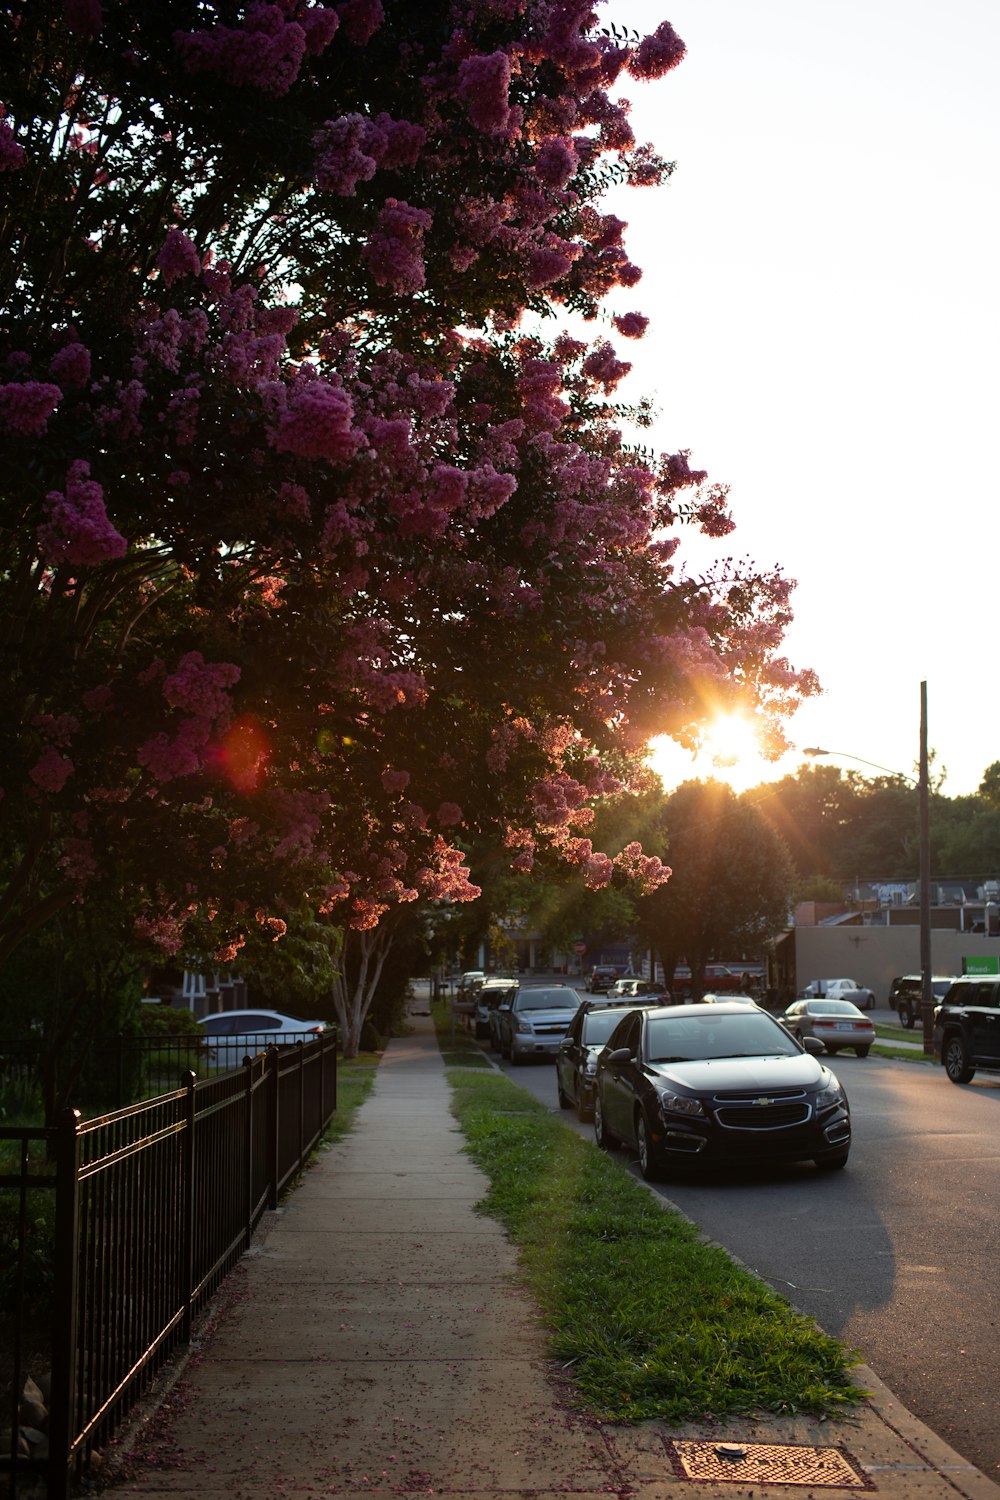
360	19
550	262
51	771
201	687
483	87
78	530
265	54
178	257
394	252
657	54
11	154
317	423
70	366
320	24
347	152
631	325
604	366
556	162
27	407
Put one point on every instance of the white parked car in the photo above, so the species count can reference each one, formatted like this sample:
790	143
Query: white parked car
840	989
243	1032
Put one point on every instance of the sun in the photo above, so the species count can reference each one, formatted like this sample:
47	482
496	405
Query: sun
730	751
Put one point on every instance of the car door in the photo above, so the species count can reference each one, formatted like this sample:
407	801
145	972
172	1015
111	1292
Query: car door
568	1056
620	1078
984	1021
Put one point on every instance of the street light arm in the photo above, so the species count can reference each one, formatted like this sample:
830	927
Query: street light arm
814	750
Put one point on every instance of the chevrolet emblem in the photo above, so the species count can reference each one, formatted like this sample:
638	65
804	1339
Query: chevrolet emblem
763	1102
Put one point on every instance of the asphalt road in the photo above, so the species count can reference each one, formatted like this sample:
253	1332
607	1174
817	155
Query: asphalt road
899	1254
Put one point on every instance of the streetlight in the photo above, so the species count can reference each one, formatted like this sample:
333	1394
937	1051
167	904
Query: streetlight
923	787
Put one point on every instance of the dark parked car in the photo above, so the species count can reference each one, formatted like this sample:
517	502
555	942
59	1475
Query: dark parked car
717	1085
576	1060
535	1021
967	1027
905	992
602	977
488	997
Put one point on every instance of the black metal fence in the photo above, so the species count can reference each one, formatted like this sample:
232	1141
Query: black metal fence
116	1231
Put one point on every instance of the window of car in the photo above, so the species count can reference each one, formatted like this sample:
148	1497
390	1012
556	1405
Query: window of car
692	1038
218	1025
598	1025
626	1033
547	1000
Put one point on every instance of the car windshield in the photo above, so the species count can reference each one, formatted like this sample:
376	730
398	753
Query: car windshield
695	1038
548	1000
833	1008
598	1026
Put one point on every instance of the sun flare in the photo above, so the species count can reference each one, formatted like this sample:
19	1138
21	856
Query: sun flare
730	751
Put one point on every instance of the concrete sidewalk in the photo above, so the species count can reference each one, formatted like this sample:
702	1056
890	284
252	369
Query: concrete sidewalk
374	1343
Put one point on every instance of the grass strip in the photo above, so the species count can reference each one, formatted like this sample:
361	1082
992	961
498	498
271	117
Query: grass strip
354	1084
649	1319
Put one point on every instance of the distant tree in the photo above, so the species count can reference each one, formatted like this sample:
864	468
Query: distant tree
731	883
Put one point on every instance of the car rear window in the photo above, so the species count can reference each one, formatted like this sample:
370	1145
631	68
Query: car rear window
548	1000
832	1008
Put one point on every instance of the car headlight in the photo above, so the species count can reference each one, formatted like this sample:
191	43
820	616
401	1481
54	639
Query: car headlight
831	1094
522	1025
680	1104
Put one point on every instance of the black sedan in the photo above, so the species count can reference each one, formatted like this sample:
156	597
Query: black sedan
576	1060
717	1085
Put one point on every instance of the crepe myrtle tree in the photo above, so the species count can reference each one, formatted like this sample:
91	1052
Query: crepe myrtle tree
314	562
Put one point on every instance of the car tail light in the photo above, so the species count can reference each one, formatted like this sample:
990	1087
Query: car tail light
865	1025
818	1024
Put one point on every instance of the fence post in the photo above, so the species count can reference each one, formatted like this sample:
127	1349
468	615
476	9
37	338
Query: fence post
302	1102
271	1069
188	1168
65	1304
248	1071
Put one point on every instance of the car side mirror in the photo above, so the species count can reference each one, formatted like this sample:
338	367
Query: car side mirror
813	1045
620	1054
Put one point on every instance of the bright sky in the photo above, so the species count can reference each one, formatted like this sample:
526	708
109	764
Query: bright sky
822	274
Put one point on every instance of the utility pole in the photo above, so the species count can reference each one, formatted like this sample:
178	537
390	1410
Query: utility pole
926	994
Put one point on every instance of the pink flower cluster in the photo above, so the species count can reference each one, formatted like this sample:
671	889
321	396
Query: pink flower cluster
70	365
51	771
556	800
360	19
178	257
394	253
646	871
317	422
657	53
25	407
11	154
200	687
266	53
78	531
350	150
483	87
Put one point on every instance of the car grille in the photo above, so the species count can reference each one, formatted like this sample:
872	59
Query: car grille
777	1111
549	1028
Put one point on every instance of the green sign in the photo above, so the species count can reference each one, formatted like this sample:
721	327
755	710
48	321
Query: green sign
984	964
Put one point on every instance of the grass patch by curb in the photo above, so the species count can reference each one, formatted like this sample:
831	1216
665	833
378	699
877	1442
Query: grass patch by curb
354	1084
649	1319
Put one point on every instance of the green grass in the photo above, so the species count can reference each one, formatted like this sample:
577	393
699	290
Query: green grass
355	1081
458	1047
648	1319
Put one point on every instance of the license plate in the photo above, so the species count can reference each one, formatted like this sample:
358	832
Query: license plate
845	1025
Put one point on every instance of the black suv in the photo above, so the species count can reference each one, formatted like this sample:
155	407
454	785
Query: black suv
905	992
967	1027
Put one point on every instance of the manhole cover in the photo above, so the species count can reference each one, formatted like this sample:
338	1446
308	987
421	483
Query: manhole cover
768	1463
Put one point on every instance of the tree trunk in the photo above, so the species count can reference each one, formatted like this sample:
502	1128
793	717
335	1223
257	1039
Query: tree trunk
363	955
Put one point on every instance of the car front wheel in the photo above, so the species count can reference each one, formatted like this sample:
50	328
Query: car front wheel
956	1061
649	1158
602	1135
833	1163
906	1017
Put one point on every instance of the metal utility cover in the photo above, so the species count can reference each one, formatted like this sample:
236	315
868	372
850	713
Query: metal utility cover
767	1463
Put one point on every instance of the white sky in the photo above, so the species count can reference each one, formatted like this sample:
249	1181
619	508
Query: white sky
822	278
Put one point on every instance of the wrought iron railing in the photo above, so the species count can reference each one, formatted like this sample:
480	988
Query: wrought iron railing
116	1231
